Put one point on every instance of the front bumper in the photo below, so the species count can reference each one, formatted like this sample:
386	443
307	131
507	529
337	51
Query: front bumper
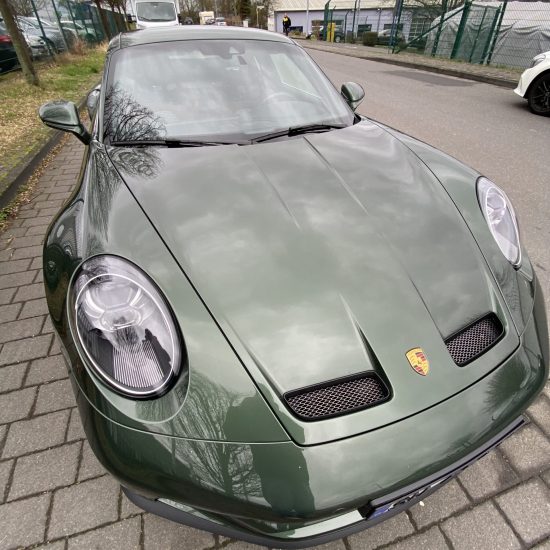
285	495
334	528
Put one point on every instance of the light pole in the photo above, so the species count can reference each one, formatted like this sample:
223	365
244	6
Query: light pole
257	15
307	18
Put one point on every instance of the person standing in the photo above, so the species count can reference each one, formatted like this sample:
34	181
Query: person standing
286	24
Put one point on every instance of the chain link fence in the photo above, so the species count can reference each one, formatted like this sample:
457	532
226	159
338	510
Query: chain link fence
507	33
54	27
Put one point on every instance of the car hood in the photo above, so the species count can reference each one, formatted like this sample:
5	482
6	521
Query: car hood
324	256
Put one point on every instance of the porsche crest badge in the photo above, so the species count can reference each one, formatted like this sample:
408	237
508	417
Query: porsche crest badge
418	361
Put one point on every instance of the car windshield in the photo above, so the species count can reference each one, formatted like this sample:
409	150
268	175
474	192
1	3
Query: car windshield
216	90
156	11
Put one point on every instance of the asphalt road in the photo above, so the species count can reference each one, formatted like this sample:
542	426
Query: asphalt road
485	126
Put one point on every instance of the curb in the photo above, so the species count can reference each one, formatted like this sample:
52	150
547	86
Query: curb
494	80
20	174
24	170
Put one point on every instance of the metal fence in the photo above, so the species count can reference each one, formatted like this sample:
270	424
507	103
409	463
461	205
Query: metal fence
53	27
506	33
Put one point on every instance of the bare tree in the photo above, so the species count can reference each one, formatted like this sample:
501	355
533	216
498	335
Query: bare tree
19	44
24	7
104	23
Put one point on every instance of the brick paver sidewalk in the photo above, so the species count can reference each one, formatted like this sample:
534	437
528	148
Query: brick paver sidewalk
53	489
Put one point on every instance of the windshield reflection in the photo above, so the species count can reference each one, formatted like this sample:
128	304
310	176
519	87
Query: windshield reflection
217	90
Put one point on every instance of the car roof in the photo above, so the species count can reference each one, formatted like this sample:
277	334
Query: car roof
192	32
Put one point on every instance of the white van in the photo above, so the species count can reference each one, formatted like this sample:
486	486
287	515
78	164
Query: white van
158	13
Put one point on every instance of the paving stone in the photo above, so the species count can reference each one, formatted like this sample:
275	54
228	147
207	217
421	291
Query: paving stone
527	450
528	509
59	545
48	327
383	533
54	397
9	313
543	545
161	533
26	242
50	212
49	204
46	370
36	263
29	292
75	431
6	295
14	266
39	277
37	220
33	308
84	506
34	251
16	279
15	330
240	545
56	196
482	528
441	504
128	508
545	476
546	390
23	522
16	405
36	434
26	349
432	539
90	465
5	470
489	475
36	230
45	471
539	411
124	535
15	231
11	377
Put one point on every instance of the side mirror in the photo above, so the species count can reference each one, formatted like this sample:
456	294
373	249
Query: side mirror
353	94
92	101
63	115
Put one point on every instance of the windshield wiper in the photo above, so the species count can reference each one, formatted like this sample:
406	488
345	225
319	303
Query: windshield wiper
298	130
172	143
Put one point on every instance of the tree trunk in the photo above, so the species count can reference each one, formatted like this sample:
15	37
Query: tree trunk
21	49
102	18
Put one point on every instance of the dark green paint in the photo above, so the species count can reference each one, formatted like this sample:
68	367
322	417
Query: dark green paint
289	263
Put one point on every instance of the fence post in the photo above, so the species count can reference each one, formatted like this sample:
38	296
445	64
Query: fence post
325	17
59	26
477	35
439	27
497	30
48	44
68	4
461	27
395	25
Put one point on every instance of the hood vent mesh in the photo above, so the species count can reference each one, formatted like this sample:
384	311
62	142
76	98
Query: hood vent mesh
474	340
337	397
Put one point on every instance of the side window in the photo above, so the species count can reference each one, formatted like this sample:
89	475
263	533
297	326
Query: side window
291	75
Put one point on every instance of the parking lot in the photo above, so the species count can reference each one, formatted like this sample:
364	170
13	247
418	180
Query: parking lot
53	492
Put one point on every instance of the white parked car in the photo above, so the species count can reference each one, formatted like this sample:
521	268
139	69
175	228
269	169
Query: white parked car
534	85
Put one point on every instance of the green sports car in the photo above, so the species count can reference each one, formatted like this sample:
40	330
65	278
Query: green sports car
283	322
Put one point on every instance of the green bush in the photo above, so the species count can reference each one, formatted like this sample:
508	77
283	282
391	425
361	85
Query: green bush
370	38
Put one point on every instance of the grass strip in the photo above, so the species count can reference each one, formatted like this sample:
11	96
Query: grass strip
69	77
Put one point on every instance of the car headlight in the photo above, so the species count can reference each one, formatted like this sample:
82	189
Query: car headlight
501	219
538	59
125	327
